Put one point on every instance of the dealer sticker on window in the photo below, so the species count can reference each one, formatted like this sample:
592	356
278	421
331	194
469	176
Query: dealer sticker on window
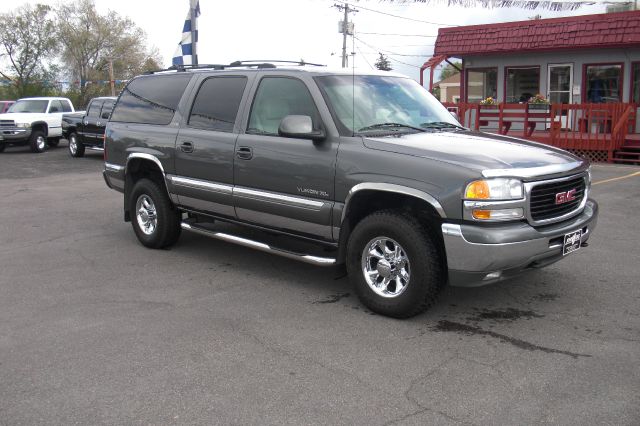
571	242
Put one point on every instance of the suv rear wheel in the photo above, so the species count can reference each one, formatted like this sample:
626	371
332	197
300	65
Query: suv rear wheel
155	221
394	264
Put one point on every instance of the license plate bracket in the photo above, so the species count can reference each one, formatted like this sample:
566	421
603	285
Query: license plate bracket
571	242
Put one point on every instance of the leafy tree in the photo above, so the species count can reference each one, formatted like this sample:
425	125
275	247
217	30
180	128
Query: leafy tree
383	63
92	41
525	4
450	70
27	41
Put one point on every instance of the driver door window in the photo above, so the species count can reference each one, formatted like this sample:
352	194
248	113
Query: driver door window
276	98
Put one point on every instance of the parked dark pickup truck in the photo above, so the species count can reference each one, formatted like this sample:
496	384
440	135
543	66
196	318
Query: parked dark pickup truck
85	129
386	181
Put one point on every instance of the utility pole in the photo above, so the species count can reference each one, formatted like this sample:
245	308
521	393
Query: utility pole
345	29
111	80
194	33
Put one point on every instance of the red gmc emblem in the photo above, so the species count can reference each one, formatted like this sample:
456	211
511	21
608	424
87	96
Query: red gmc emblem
565	197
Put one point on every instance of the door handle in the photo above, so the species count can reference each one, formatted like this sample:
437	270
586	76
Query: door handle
98	123
244	153
86	122
186	147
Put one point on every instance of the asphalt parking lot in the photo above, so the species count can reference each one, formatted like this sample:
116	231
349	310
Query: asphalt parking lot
97	329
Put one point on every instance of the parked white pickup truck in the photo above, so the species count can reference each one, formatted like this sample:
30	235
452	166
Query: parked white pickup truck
36	122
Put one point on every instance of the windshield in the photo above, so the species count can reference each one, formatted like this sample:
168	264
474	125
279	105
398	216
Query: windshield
383	103
29	105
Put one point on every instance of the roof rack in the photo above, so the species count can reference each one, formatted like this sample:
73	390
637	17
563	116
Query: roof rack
260	64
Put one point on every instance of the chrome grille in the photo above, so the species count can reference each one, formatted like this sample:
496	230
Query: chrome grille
542	204
7	123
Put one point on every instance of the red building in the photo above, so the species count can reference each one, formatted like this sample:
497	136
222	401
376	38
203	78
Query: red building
585	69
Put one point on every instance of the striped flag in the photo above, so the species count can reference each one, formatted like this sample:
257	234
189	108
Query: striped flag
186	53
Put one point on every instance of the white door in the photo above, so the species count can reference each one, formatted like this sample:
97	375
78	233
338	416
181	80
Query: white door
559	84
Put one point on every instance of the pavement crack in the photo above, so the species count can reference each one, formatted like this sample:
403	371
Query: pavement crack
456	327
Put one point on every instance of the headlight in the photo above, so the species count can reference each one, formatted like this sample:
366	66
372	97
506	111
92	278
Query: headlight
494	189
23	125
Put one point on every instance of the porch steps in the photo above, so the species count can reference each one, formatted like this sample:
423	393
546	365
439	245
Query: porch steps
629	154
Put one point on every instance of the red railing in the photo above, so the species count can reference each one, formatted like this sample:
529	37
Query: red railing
588	127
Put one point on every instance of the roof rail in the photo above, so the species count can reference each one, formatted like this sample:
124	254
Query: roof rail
270	63
260	64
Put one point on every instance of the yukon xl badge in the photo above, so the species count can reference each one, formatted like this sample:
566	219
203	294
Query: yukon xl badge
312	192
565	197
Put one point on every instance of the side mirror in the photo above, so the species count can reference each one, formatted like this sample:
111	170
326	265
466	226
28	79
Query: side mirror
299	126
105	115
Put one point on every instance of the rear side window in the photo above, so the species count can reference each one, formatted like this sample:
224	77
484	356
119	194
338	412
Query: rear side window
55	106
94	109
151	100
107	107
66	105
217	103
276	98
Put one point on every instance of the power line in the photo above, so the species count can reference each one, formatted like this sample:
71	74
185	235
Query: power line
385	50
399	35
389	54
400	17
363	57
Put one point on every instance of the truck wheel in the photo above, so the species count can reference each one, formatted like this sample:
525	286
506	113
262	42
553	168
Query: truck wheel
76	149
38	141
2	147
155	221
394	264
53	142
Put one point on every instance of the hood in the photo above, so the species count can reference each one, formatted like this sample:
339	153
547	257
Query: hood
22	117
491	155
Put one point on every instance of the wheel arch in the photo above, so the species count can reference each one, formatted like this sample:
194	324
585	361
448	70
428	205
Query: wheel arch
366	198
40	125
141	165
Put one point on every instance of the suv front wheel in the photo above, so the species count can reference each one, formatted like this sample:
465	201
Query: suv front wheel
394	264
155	221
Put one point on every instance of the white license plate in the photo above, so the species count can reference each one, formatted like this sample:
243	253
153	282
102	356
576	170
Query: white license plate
571	242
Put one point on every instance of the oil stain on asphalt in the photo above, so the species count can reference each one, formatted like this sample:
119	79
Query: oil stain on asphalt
332	299
470	330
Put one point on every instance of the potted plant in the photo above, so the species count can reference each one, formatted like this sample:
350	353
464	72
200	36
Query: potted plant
538	102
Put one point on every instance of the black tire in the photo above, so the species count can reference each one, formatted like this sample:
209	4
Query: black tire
53	142
167	228
38	141
427	271
76	149
2	147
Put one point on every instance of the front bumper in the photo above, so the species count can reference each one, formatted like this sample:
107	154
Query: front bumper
14	135
479	255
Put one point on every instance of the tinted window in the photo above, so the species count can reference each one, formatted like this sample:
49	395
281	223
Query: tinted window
56	106
276	98
66	106
107	107
29	105
94	109
217	103
151	100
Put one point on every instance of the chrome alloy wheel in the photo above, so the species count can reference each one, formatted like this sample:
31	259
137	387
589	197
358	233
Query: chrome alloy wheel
146	214
385	266
73	145
41	143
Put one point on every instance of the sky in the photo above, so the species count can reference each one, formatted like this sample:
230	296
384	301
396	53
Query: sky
305	29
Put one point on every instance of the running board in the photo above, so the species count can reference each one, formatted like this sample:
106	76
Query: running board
95	148
314	260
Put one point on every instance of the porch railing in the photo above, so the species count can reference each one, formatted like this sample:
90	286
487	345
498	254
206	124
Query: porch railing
578	127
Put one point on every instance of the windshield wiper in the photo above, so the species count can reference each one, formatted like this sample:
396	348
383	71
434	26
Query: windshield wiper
441	125
390	126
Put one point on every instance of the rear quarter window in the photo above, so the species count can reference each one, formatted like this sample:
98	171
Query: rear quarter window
150	100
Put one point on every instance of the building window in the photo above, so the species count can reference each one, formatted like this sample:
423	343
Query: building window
481	84
521	84
635	82
603	83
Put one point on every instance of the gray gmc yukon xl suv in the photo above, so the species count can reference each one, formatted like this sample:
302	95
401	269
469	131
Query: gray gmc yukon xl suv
369	168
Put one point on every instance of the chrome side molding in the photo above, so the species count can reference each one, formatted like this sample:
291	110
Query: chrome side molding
314	260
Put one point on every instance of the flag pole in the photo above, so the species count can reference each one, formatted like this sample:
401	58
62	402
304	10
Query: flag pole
194	32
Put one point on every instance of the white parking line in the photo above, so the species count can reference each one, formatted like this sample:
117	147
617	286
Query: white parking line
617	178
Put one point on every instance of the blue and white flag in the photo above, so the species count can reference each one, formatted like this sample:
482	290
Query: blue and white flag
186	53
